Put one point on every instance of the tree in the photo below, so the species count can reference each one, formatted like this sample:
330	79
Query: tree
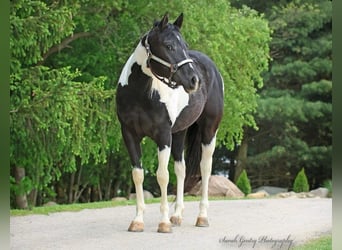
294	109
301	182
243	183
53	115
65	62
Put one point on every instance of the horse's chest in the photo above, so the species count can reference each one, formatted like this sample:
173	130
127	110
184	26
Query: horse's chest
175	100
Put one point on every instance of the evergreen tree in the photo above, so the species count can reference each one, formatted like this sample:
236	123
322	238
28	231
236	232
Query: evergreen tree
301	182
243	183
294	113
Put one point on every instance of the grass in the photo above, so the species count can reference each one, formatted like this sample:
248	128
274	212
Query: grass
322	243
103	204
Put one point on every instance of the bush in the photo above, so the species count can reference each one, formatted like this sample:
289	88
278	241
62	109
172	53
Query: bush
301	182
328	184
243	183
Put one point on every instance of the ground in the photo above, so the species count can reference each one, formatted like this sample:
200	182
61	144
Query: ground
234	224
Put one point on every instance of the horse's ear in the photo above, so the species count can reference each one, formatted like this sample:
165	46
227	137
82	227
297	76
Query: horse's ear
179	21
162	24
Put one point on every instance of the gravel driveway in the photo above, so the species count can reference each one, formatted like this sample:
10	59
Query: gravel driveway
234	224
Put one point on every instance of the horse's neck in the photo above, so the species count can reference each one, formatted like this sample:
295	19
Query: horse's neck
141	58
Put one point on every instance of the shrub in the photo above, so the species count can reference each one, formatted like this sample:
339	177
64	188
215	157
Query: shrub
301	182
328	184
243	183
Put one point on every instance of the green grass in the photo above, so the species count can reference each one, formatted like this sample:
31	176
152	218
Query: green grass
322	243
103	204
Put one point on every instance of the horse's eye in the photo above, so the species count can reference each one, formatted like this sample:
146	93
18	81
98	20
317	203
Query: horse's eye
169	47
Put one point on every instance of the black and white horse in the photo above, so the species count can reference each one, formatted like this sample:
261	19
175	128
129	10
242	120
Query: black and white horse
174	96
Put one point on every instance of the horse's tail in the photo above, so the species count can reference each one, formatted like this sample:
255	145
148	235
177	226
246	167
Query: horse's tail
192	156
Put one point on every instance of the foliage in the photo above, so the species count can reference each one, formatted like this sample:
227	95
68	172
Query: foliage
301	182
66	57
243	183
294	113
328	184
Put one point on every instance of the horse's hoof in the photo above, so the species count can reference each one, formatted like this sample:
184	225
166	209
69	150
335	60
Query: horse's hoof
202	222
136	226
164	227
176	220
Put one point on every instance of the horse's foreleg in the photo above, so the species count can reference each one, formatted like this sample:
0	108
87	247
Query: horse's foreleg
206	166
132	142
163	180
177	151
137	224
176	218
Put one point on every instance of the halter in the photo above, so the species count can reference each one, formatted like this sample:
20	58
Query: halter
173	67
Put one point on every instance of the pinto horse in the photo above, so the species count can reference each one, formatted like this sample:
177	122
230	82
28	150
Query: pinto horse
174	96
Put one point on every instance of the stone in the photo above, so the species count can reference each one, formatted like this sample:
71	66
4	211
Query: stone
271	190
218	186
258	195
147	195
320	192
50	204
119	199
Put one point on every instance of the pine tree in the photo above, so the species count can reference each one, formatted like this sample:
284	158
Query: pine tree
301	182
243	183
294	112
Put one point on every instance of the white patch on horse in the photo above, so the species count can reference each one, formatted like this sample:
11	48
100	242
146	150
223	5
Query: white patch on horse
175	100
126	71
206	167
178	37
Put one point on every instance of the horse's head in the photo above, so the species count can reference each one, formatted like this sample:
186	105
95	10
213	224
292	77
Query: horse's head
168	56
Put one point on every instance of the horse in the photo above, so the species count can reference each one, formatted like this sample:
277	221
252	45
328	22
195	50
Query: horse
174	96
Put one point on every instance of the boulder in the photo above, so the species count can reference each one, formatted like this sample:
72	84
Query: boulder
218	186
50	204
119	199
286	194
271	190
320	192
258	195
147	195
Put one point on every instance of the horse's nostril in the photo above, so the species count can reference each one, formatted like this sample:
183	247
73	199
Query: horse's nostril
194	81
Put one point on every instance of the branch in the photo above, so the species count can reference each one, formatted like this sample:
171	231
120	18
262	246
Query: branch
64	44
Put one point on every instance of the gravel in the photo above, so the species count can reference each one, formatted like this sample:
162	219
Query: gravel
234	224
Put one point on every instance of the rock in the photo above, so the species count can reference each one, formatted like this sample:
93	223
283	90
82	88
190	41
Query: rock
258	195
218	186
320	192
147	195
50	204
271	190
119	199
286	194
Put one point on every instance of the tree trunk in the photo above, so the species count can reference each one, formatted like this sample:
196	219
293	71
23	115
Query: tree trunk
71	188
21	198
116	188
99	191
241	158
108	190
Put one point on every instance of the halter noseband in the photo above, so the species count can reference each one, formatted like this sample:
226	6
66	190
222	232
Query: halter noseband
173	67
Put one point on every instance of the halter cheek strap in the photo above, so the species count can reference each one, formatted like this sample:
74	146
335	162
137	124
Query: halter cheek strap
173	67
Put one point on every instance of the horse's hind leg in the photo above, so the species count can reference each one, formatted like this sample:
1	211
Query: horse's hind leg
208	147
179	166
133	146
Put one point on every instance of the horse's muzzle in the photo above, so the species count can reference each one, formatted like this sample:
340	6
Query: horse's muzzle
192	85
